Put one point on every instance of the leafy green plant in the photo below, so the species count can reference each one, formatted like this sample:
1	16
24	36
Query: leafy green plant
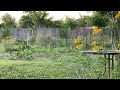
24	52
8	43
32	39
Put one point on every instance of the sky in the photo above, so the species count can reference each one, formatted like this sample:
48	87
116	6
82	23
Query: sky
57	15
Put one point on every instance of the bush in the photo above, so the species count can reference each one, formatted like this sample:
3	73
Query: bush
8	43
32	39
38	40
25	52
46	41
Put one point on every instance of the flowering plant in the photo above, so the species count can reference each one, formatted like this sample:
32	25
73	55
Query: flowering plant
117	15
96	46
78	45
96	30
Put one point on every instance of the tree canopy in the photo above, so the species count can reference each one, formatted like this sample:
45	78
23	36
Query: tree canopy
7	22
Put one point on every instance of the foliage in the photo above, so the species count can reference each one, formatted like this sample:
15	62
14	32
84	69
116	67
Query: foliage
57	63
2	48
32	39
8	40
63	33
84	21
99	20
7	22
38	40
54	64
35	19
8	43
46	41
24	52
25	22
69	23
61	60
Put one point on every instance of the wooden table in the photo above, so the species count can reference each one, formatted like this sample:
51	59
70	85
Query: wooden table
105	53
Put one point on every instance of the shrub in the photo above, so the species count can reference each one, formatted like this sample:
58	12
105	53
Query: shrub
8	43
25	52
46	41
32	39
38	40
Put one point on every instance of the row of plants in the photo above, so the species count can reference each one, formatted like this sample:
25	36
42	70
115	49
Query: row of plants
90	67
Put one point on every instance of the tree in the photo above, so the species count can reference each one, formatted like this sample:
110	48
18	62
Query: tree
99	19
7	22
84	20
25	22
56	24
32	20
35	19
38	18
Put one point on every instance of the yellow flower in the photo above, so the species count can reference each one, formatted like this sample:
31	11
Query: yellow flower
94	43
94	48
8	40
97	47
77	40
100	47
96	30
119	45
117	15
79	46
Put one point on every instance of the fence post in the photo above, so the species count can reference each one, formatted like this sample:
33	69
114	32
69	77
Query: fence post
28	37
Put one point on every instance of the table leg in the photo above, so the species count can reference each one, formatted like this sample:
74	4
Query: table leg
108	66
118	60
112	61
105	61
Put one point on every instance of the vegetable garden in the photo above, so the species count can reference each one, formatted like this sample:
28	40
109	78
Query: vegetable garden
60	57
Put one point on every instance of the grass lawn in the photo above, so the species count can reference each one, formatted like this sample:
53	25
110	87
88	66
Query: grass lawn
53	64
10	69
64	67
2	48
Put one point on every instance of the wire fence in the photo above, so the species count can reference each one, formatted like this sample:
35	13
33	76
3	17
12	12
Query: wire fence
52	36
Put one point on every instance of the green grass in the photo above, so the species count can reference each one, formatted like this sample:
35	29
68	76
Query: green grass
64	66
54	63
10	69
2	48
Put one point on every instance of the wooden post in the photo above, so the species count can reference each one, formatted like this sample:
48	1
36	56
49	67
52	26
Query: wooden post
86	42
28	37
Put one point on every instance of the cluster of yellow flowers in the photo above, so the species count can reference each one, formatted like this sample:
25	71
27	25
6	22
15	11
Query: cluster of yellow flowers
118	15
77	41
96	30
8	40
79	46
95	46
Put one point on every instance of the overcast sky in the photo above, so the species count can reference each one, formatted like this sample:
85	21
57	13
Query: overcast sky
56	14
